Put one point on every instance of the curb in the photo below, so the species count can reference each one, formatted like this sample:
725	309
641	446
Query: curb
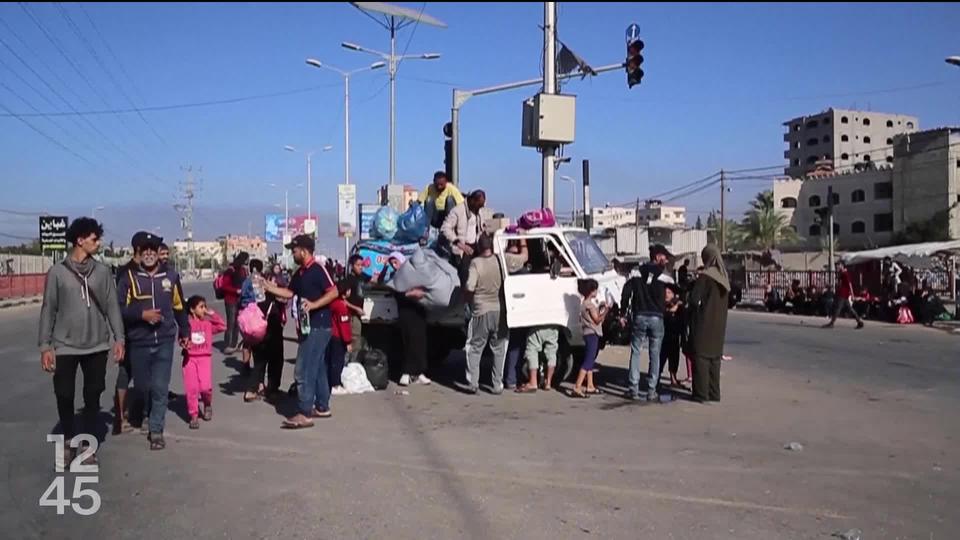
20	302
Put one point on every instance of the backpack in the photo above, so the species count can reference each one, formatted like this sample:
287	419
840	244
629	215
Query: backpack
253	323
218	285
537	218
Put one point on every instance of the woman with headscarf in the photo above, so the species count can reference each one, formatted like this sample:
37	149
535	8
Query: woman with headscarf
707	311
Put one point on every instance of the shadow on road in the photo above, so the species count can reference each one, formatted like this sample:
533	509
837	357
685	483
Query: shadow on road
237	383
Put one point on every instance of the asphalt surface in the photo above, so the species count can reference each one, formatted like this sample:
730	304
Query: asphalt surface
874	411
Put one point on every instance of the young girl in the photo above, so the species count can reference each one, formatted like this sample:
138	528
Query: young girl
674	336
197	369
341	339
591	319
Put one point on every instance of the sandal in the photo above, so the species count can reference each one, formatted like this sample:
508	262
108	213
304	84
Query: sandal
207	413
194	423
293	424
594	391
526	389
577	394
250	397
317	413
156	441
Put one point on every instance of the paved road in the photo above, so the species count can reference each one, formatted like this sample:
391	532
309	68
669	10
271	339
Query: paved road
875	411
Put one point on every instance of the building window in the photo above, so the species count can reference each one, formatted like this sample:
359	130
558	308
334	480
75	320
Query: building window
866	121
826	120
883	222
866	158
812	124
866	140
836	228
889	141
958	163
812	142
814	230
811	160
796	145
796	162
844	138
814	201
889	123
858	196
883	190
843	120
836	199
788	202
796	127
826	138
909	125
844	156
889	159
858	227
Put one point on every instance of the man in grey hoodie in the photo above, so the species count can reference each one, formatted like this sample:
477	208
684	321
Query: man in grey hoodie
79	318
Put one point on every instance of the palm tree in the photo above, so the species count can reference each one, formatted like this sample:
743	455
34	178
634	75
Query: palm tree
764	227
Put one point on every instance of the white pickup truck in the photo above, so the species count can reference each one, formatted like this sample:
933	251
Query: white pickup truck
534	295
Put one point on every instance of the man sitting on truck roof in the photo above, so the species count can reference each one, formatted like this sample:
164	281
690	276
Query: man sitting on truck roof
439	198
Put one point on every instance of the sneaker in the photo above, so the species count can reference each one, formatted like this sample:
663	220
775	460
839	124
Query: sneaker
338	391
404	380
859	325
422	379
652	397
497	391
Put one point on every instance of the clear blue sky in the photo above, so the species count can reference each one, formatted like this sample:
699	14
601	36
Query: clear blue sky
720	80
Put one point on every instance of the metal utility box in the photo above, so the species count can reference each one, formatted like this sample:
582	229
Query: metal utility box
549	119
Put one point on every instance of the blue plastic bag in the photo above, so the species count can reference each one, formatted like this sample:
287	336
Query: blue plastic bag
412	225
384	226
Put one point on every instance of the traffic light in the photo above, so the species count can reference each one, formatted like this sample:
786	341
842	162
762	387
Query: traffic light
448	150
634	59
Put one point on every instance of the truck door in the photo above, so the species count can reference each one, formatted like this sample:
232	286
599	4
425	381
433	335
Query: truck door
532	295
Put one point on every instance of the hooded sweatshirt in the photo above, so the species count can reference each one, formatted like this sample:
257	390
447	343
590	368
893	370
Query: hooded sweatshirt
80	312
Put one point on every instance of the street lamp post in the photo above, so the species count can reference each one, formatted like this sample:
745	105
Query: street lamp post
286	208
392	61
573	197
309	154
346	120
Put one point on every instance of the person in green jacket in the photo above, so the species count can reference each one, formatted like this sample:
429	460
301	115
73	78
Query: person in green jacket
707	311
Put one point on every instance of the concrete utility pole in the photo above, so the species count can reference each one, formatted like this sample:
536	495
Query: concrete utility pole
587	218
188	191
723	211
549	87
830	231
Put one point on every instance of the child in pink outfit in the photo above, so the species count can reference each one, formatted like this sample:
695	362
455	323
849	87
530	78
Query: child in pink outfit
197	367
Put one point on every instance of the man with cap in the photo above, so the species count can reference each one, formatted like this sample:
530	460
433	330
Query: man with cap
644	299
155	317
314	290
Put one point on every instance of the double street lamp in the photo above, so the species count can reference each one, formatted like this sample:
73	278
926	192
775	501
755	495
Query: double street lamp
309	154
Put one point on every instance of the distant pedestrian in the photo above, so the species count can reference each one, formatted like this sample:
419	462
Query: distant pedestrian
197	359
844	298
591	325
707	321
79	318
236	274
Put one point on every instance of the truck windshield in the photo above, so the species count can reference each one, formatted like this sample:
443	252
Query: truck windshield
587	252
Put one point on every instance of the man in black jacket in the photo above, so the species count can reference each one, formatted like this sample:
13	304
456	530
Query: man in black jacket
643	299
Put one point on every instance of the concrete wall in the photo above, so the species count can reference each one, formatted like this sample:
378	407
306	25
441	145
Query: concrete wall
24	264
925	177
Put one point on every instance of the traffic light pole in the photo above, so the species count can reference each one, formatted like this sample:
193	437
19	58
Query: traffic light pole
462	96
549	151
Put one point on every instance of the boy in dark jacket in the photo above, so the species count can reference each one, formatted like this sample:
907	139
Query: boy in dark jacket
675	334
707	325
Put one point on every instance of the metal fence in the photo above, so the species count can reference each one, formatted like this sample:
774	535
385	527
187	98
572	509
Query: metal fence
756	281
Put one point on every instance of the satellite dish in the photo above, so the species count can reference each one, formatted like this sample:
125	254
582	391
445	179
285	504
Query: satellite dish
405	15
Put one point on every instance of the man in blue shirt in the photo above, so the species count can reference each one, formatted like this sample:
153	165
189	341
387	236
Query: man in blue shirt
314	290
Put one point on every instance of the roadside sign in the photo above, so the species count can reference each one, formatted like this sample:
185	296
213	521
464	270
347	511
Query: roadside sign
346	210
633	33
53	233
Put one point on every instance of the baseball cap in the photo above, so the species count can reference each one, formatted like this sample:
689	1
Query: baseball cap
660	249
143	239
304	241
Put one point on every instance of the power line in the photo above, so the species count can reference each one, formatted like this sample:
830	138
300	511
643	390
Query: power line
107	46
22	213
96	57
45	136
180	105
412	33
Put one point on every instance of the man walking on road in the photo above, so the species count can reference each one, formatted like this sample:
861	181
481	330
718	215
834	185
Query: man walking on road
79	317
644	299
844	298
155	314
489	325
313	289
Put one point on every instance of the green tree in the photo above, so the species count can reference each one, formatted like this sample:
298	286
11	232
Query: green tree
763	227
699	225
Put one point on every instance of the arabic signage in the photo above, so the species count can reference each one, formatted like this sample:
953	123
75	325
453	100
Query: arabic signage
53	233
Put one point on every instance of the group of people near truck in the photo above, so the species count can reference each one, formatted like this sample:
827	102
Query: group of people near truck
142	315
